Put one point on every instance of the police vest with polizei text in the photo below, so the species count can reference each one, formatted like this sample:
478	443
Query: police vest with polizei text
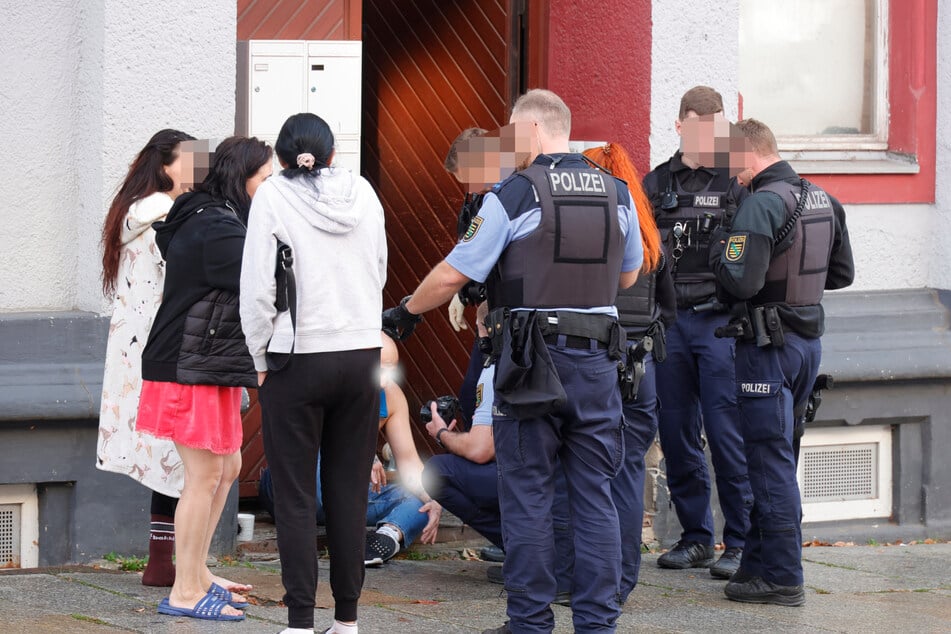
797	275
573	258
693	265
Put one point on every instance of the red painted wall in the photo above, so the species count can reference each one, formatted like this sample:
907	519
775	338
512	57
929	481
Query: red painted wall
599	62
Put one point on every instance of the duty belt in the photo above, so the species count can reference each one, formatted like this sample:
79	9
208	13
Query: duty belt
603	329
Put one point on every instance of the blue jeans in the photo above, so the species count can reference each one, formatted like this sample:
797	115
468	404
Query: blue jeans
392	505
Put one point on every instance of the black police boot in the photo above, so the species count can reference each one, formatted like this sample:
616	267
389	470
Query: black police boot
492	553
687	555
563	598
758	590
504	629
727	564
494	574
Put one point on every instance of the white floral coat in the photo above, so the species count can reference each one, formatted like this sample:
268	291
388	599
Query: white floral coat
153	462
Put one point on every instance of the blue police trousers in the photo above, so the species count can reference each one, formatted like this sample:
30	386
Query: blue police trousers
695	387
585	437
770	382
627	489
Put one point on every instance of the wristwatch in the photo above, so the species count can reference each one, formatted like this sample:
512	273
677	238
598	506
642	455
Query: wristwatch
439	434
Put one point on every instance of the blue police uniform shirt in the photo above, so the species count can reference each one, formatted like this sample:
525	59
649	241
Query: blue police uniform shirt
511	211
485	395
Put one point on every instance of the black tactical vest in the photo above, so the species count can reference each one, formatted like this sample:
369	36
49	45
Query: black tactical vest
636	306
797	274
685	231
573	258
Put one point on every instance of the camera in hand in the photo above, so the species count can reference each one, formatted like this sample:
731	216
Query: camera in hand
446	406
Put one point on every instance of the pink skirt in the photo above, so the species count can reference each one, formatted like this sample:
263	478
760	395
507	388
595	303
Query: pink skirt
197	416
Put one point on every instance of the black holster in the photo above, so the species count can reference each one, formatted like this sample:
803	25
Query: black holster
760	324
632	371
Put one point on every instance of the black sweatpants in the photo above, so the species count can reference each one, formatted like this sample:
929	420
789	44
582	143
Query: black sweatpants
326	401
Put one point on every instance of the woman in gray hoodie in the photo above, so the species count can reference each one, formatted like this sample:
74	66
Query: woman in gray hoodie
326	397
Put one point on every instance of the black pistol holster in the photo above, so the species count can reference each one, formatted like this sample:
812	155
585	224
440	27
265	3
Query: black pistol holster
761	324
633	369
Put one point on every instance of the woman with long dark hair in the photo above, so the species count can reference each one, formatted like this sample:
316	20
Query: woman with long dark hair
133	274
326	399
196	361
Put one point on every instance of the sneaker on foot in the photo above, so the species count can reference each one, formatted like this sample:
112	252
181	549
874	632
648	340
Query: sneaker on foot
379	548
687	555
727	564
758	590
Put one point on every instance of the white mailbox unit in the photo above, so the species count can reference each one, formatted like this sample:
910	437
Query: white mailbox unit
278	78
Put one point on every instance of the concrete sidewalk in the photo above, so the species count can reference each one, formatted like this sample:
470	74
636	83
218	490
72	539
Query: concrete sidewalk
851	589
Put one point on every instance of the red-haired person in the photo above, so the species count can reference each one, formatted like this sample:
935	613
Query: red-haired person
645	310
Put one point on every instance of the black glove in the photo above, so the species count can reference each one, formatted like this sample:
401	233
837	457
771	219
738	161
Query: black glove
399	323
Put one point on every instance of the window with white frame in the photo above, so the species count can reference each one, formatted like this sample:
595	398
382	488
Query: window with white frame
816	72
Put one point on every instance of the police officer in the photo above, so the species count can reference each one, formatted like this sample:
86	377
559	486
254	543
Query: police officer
472	293
645	310
788	242
695	383
558	238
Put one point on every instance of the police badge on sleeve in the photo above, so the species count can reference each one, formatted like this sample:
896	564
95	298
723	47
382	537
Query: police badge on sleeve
735	248
473	229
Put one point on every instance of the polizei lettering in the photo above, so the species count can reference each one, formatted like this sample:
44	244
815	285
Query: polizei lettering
566	182
755	388
816	199
710	202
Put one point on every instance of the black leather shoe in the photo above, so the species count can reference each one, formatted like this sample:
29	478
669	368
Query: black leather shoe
499	630
727	564
494	573
492	553
687	555
563	598
758	590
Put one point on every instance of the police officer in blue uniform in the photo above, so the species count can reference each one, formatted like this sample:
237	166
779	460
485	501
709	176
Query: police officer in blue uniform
645	310
555	241
695	383
788	242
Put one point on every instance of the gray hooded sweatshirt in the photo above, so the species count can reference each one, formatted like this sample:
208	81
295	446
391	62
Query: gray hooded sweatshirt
333	222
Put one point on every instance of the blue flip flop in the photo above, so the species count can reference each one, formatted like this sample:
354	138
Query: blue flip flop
208	608
225	595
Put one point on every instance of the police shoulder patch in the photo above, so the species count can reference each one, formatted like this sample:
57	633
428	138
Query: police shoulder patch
478	400
735	248
473	229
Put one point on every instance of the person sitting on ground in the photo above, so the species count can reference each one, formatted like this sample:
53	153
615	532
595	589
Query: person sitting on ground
401	512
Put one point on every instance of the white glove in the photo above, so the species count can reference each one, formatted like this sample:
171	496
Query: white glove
457	317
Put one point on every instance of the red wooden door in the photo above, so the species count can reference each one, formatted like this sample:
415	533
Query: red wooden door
431	68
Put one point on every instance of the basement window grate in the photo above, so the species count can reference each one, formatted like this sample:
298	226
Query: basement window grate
840	472
10	535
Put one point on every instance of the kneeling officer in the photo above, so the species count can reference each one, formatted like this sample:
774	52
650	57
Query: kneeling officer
553	243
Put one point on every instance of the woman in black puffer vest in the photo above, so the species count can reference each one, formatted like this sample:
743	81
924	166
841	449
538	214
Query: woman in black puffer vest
196	361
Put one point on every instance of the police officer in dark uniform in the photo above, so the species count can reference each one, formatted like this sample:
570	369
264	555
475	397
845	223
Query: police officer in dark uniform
646	311
695	383
788	242
555	242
